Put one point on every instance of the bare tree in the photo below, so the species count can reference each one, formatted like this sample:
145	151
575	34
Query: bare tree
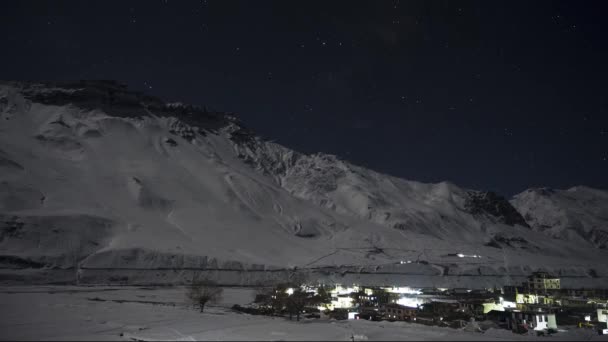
203	291
74	252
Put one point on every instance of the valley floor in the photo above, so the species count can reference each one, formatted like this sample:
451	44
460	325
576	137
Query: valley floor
152	313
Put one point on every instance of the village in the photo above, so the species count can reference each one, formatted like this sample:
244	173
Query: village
539	306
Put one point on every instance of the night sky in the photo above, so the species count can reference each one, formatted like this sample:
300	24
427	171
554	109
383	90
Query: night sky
489	95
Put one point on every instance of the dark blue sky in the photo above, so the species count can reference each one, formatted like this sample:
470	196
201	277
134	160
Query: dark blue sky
489	95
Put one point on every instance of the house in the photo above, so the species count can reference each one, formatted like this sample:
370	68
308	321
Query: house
535	320
500	317
602	315
495	306
576	302
526	298
342	301
370	314
442	307
543	282
602	319
399	312
460	291
425	320
433	291
589	293
482	292
477	307
444	311
510	292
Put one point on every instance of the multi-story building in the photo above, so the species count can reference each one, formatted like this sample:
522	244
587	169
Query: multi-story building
543	282
399	312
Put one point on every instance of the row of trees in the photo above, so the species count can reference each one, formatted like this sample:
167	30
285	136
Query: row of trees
292	299
288	298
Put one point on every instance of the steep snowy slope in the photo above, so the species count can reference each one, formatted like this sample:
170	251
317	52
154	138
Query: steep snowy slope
151	182
576	214
111	181
442	210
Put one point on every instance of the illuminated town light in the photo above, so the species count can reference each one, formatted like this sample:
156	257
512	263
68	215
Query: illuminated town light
411	302
403	290
461	255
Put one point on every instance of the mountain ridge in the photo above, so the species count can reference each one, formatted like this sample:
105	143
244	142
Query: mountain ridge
101	177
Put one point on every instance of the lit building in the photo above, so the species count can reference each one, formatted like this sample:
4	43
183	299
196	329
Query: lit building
532	320
602	315
526	298
403	290
543	281
491	306
399	312
340	298
410	301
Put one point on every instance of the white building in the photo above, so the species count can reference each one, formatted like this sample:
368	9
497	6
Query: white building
534	320
602	315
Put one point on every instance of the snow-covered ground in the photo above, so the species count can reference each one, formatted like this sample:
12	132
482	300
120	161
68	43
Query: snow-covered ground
127	313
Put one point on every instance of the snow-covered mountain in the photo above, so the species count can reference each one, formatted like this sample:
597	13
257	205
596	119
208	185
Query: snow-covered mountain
125	186
576	214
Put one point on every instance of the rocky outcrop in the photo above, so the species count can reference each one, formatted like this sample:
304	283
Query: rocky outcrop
491	205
